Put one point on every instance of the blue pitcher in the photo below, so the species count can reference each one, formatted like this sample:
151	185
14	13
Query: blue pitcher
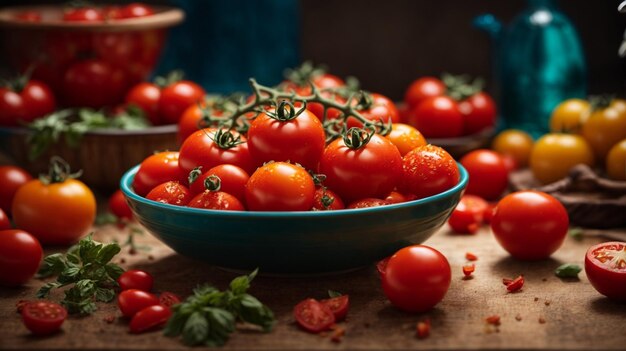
538	62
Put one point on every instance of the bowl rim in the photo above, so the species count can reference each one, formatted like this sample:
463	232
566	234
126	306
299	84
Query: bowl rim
126	181
163	17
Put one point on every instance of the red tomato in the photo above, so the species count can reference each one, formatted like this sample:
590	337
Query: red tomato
280	186
83	14
325	199
438	117
395	197
488	214
43	317
416	278
176	98
468	215
146	96
29	16
530	225
119	207
93	83
381	266
168	299
367	202
201	150
150	318
382	109
171	192
20	256
136	10
111	12
24	105
157	169
422	89
11	179
233	180
318	109
132	301
371	170
479	112
135	279
287	137
190	121
428	170
313	316
488	173
338	305
605	265
216	200
4	221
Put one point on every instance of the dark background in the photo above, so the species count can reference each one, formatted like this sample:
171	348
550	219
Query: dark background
387	44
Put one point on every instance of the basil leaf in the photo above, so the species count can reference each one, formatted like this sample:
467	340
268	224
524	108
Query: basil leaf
568	270
333	293
196	329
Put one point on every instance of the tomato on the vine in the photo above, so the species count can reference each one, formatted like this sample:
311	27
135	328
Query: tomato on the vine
554	154
422	89
171	192
215	199
20	256
135	279
25	102
11	179
43	317
326	199
405	137
438	117
428	170
468	215
93	83
488	173
177	97
382	109
157	169
605	265
280	186
233	180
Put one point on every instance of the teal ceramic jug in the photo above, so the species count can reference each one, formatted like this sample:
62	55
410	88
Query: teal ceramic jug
538	62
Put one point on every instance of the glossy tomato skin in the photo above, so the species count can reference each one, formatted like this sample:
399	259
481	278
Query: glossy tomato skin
150	318
479	112
438	117
5	223
157	169
516	143
233	180
428	170
313	316
168	299
56	213
405	137
132	301
20	257
119	207
83	14
189	122
416	278
372	170
338	305
136	9
33	101
299	140
367	202
488	173
616	161
554	154
200	150
422	89
605	266
136	279
171	192
569	116
146	96
604	128
176	98
11	179
326	200
468	215
530	225
382	109
93	83
280	186
43	317
216	200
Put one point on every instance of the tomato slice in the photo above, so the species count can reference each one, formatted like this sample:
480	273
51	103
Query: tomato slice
605	265
313	316
338	305
150	318
516	284
43	317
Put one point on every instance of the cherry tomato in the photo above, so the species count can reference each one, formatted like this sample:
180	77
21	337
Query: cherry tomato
111	12
11	179
438	117
530	225
326	199
280	186
555	154
20	256
428	170
189	122
284	135
58	213
136	10
24	105
171	192
468	215
146	96
338	305
516	143
29	16
135	279
318	109
422	89
605	265
569	116
479	113
405	137
395	197
206	149
216	200
416	278
93	83
150	318
488	214
233	180
132	301
83	14
43	317
313	316
119	207
168	299
4	221
616	161
157	169
367	202
488	173
370	170
604	128
177	97
382	109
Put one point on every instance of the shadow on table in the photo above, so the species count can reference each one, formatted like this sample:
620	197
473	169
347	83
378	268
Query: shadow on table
604	305
511	267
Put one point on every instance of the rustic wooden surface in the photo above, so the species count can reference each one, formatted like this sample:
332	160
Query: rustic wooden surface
576	316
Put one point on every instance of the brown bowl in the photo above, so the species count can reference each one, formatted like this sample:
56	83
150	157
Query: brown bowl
104	155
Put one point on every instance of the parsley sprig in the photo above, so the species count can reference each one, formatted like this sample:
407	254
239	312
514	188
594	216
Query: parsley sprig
209	316
86	266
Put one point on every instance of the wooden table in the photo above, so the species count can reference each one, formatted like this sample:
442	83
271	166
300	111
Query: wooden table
572	314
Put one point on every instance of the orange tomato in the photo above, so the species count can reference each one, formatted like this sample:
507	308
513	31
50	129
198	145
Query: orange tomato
616	161
569	116
514	143
604	128
554	154
405	137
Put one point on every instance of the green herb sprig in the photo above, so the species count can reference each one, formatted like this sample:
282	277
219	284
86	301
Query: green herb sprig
86	266
568	270
209	316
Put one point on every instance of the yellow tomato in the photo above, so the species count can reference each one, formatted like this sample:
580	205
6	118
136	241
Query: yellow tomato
569	116
515	143
616	161
604	128
554	154
405	137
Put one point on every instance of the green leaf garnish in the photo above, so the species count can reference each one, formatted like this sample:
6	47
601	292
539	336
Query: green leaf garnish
568	270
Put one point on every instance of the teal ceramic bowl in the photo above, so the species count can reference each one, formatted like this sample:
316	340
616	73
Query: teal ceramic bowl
313	242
